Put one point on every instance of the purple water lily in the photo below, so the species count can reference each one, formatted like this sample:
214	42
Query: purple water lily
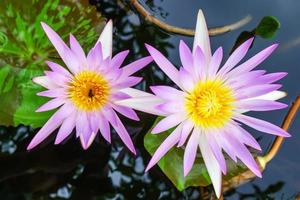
209	106
85	92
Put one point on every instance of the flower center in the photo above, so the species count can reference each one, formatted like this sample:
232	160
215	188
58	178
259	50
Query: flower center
210	104
88	91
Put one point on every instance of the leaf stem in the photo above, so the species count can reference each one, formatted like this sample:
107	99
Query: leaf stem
183	31
278	141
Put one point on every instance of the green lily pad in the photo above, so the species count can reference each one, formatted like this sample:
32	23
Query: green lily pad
24	48
172	164
267	27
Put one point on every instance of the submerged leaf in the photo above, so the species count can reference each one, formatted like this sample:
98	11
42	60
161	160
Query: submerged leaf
267	27
24	49
172	164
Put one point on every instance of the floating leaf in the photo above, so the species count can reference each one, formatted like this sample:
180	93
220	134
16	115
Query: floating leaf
267	27
172	164
24	48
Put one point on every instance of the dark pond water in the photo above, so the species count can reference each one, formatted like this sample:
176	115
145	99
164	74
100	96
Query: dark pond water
111	172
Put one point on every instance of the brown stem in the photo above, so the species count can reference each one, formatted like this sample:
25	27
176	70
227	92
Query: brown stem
183	31
278	141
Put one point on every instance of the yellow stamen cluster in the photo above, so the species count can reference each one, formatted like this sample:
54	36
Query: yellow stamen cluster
210	104
88	90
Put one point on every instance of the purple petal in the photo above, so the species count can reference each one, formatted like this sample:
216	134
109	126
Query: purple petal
136	65
256	90
63	50
128	82
217	151
104	128
243	154
244	137
66	128
225	144
271	78
167	144
58	69
167	92
53	123
127	112
77	49
260	105
187	127
215	62
51	104
146	104
186	57
164	64
45	82
94	58
201	37
186	80
199	64
116	123
236	57
190	152
262	125
58	78
106	39
118	59
168	122
53	93
254	61
244	80
171	107
211	164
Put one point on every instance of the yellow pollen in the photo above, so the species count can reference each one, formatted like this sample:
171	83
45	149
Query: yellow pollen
210	104
88	90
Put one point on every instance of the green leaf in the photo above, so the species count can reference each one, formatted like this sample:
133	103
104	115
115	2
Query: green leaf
24	48
267	27
172	164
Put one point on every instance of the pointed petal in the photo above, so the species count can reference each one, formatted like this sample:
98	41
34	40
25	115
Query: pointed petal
200	67
215	63
260	105
168	122
106	39
190	152
211	164
262	125
58	69
77	49
45	82
236	57
254	61
186	57
116	123
271	78
217	151
201	38
167	144
244	155
144	104
164	64
94	58
275	95
135	93
118	59
187	127
52	104
136	65
167	92
66	128
256	90
127	112
53	123
63	50
186	80
104	128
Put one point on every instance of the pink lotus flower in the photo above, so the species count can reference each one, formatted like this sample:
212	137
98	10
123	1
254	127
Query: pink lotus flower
208	108
85	92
